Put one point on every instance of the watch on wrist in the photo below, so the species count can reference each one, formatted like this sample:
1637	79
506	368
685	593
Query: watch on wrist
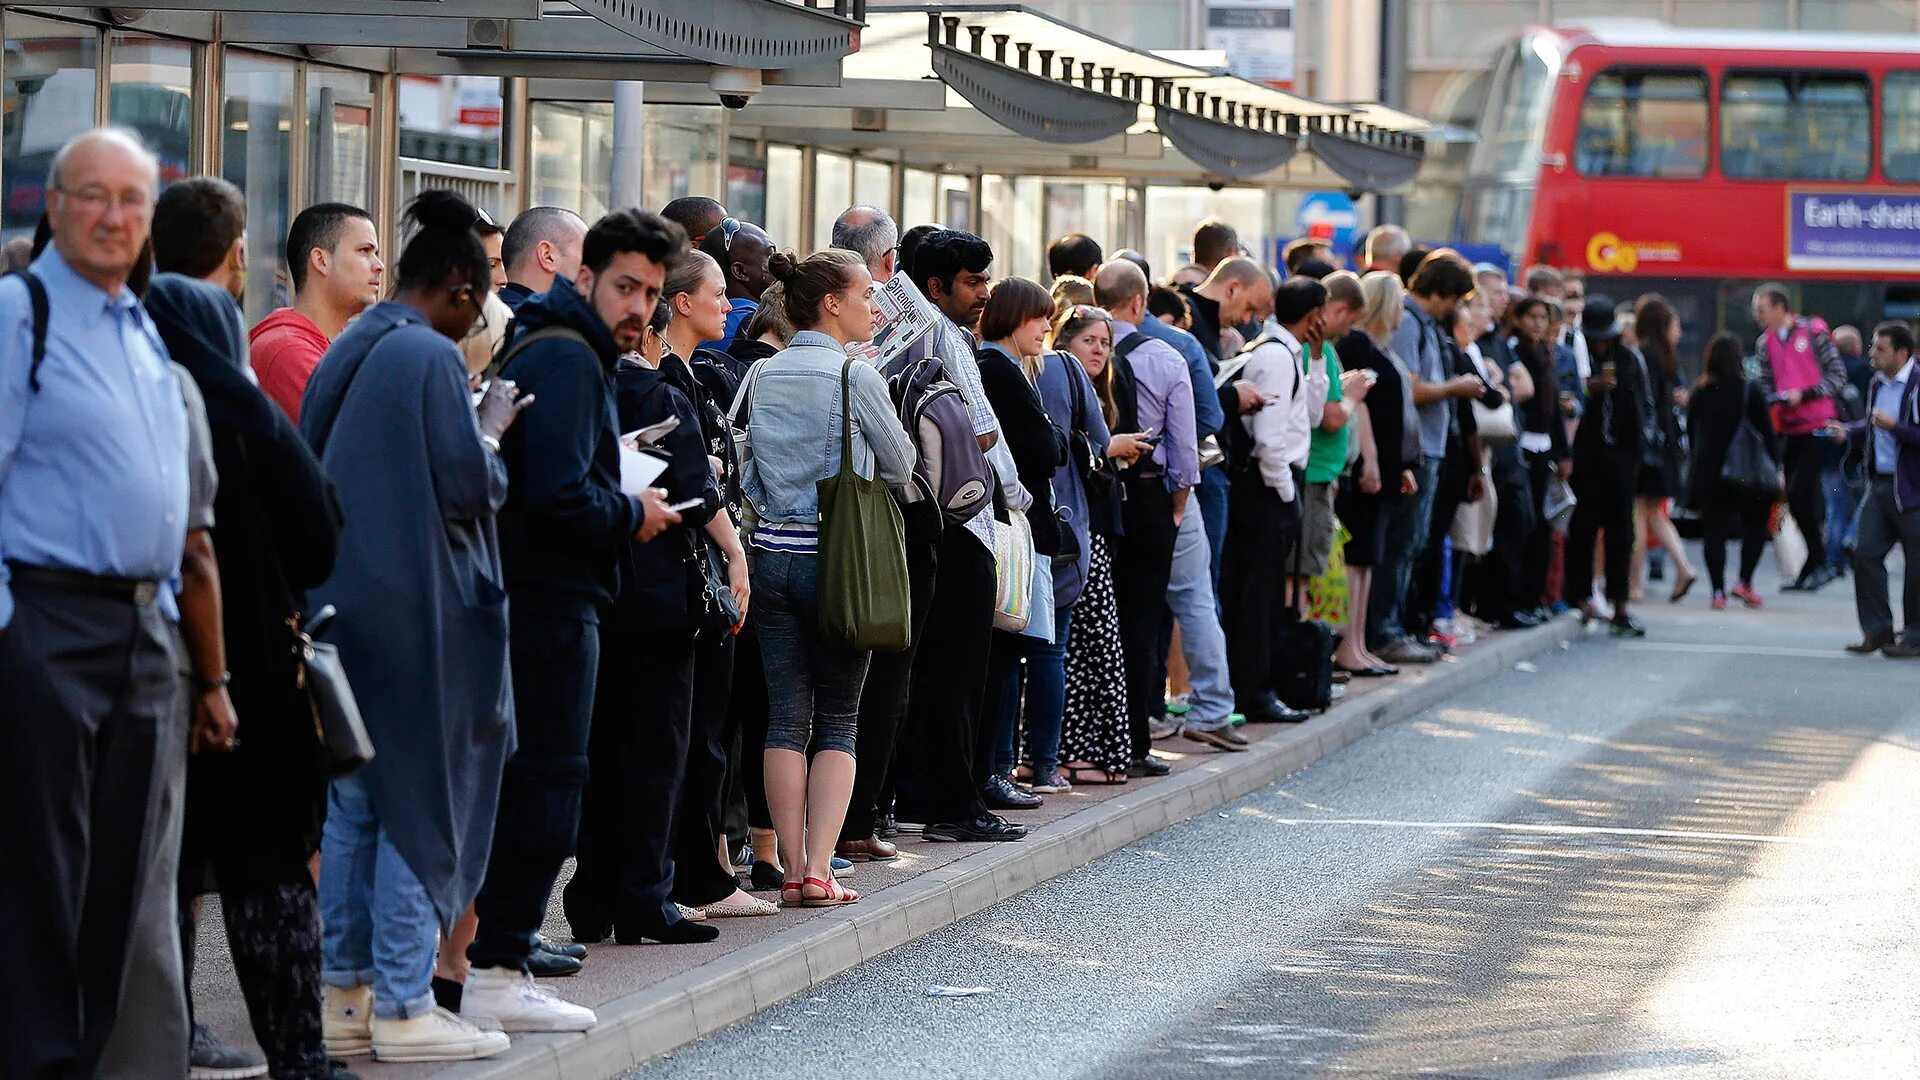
490	442
204	684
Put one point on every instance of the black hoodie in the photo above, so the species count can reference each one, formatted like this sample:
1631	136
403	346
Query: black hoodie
565	519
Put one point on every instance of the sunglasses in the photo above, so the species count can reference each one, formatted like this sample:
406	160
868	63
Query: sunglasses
728	228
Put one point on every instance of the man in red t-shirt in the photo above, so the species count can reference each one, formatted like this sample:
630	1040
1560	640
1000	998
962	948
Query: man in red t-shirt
333	256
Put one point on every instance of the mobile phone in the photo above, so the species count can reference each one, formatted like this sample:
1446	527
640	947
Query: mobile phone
652	433
683	507
1371	376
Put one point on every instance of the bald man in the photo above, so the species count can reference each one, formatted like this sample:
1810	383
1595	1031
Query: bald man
543	243
743	251
1231	296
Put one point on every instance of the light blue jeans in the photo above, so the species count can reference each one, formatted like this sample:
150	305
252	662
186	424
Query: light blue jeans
377	925
1190	596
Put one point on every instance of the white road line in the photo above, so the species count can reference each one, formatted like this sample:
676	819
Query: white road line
1740	650
1584	830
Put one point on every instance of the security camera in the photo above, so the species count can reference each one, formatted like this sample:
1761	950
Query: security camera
1216	185
735	86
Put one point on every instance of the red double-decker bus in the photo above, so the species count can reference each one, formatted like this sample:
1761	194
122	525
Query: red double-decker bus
1698	163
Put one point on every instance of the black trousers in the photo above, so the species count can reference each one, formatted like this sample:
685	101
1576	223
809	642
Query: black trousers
556	659
1805	459
1251	579
1604	485
883	700
747	709
699	822
1142	570
1882	526
1498	583
89	688
1428	582
947	691
273	933
1720	521
1538	557
642	720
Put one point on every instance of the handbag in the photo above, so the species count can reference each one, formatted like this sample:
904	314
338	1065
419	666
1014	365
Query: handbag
1789	546
1013	561
1041	624
1497	427
1559	503
714	609
1750	470
864	599
1472	530
336	713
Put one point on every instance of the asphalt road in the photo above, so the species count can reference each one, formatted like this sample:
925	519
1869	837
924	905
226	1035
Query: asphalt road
1692	856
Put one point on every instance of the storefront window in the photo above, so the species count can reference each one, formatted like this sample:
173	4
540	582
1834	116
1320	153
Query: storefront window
1010	216
919	200
1094	207
451	118
682	152
873	184
832	193
573	156
784	210
256	126
1172	212
151	91
339	136
50	70
953	202
747	183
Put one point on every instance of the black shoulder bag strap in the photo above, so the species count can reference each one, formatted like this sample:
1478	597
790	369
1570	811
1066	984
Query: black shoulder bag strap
37	300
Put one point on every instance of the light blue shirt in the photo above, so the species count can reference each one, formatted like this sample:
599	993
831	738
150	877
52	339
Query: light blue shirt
1887	396
93	466
1417	343
1208	416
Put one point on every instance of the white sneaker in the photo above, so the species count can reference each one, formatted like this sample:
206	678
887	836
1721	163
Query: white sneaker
344	1019
437	1036
509	1000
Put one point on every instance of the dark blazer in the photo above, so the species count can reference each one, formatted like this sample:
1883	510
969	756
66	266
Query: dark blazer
1038	446
1713	415
1620	413
655	575
1385	405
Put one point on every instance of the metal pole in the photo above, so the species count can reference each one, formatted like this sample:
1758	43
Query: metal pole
629	136
1394	59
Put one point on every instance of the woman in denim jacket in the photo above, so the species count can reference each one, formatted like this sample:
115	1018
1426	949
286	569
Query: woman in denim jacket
791	402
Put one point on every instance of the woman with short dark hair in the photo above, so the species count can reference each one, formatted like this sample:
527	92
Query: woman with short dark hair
1722	399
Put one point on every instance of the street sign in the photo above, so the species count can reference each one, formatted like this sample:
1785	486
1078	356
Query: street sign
1331	216
1256	35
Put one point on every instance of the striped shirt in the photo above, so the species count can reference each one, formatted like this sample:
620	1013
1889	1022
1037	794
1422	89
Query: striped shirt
792	537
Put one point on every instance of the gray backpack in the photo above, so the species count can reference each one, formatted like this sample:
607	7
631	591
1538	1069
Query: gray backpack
951	471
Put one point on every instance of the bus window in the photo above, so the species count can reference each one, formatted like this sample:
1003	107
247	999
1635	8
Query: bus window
1900	127
1516	112
1644	122
1795	125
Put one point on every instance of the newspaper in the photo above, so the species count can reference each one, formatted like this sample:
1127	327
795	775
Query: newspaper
905	317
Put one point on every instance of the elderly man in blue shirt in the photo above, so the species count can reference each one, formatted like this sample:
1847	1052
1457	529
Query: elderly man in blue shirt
93	518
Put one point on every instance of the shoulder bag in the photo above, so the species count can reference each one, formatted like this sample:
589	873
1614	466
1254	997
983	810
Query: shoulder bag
864	598
336	713
1750	470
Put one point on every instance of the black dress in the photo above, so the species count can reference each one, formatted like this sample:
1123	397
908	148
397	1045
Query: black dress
1660	474
1385	405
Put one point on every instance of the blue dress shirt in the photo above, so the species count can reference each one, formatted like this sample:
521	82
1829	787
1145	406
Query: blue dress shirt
1166	405
93	466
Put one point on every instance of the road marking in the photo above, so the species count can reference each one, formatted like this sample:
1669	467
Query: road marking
1585	830
1739	650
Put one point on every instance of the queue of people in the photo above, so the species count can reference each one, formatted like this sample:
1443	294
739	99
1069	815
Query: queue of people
635	547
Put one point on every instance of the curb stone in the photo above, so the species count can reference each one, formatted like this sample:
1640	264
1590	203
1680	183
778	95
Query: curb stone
680	1010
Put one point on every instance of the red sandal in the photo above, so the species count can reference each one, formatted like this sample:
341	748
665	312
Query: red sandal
837	894
798	895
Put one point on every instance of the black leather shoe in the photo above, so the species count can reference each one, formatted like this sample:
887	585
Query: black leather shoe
565	948
678	932
987	828
1148	767
887	828
1901	650
1869	646
1821	576
765	877
999	794
1268	709
542	964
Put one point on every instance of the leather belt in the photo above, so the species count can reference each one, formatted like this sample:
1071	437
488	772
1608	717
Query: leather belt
126	590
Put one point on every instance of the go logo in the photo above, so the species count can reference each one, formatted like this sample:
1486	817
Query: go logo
1606	252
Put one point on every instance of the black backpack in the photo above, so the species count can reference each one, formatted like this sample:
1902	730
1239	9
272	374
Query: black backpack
37	301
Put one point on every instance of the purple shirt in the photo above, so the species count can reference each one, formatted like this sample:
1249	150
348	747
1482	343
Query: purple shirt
1166	405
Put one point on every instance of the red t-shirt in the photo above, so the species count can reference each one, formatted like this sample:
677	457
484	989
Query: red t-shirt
284	349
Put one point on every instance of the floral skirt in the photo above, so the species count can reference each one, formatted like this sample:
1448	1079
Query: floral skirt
1095	729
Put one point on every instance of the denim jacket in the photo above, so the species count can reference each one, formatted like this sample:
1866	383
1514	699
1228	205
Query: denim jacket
790	406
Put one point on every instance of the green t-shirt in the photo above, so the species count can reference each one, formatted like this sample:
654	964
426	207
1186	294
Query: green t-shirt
1327	455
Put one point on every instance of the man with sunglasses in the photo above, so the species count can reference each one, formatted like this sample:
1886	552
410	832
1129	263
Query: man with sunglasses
742	249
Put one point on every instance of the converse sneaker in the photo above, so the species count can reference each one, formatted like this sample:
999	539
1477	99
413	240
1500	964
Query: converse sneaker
437	1036
344	1019
508	1000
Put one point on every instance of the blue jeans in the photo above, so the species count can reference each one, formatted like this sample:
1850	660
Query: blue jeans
1844	494
1045	697
813	686
1403	525
1212	496
1190	595
377	923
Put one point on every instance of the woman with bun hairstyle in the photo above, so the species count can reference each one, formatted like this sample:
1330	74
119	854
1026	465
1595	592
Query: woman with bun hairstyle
792	408
422	625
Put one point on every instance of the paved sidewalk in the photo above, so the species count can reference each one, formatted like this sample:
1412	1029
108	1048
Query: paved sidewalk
653	998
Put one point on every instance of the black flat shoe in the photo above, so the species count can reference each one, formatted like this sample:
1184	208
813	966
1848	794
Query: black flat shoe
542	964
573	949
680	932
766	877
987	828
1149	766
1366	672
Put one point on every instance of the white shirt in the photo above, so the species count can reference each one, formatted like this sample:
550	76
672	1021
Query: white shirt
1581	361
1282	431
